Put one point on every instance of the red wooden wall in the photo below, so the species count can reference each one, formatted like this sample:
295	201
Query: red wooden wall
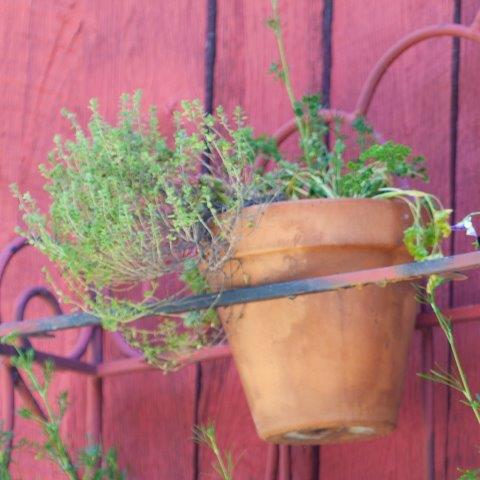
60	53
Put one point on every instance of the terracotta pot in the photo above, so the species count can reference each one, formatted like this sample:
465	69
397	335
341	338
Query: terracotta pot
326	367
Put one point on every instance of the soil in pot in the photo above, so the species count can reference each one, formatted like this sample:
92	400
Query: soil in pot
325	367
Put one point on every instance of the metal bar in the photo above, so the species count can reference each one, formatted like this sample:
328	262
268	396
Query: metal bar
128	365
381	276
49	324
7	403
376	74
6	256
124	346
26	394
467	313
61	363
95	389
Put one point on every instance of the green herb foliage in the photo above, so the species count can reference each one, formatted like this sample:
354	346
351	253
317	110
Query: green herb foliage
224	465
131	210
90	463
127	210
5	453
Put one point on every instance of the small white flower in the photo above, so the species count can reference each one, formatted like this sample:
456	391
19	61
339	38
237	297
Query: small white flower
467	225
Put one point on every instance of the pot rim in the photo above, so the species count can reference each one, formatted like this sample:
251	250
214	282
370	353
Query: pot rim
356	200
255	240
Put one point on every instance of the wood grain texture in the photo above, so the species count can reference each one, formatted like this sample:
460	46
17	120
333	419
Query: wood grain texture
462	433
158	47
40	68
245	50
60	54
412	101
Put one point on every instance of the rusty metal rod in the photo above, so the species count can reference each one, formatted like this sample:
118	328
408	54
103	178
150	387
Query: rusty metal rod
405	43
467	313
26	394
49	324
94	418
61	363
129	365
380	276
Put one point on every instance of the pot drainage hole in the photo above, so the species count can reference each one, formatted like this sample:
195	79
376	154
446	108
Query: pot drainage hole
323	433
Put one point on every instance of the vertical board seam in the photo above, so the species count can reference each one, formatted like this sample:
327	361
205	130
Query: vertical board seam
454	95
210	55
428	402
196	420
209	91
327	20
327	61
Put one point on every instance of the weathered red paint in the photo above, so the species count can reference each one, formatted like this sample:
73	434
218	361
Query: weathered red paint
68	25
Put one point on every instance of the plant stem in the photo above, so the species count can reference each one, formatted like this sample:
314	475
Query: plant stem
223	465
445	324
57	448
277	29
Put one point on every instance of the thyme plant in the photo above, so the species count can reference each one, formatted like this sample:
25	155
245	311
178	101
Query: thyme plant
127	210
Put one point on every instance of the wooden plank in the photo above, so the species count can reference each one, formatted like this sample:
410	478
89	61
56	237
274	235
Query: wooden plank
412	102
462	431
40	72
158	47
245	50
60	54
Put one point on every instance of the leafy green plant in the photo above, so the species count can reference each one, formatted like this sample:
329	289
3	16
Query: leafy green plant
469	474
224	465
131	210
371	176
324	172
126	211
456	380
5	453
90	463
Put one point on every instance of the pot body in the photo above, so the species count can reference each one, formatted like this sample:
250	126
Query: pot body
325	367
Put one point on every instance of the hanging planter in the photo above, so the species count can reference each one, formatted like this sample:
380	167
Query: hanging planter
326	367
131	210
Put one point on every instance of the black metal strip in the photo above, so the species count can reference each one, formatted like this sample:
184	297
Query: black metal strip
406	271
61	363
380	276
454	110
327	21
210	55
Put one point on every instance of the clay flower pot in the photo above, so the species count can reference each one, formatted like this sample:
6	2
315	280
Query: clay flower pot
326	367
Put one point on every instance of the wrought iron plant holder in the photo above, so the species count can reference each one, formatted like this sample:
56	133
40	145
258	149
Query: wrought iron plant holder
91	334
